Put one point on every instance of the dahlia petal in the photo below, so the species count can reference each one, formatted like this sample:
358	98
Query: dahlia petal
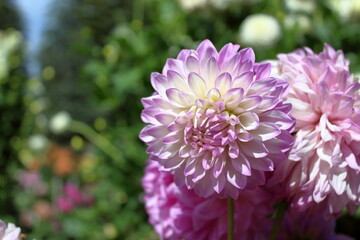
175	80
198	174
162	103
244	136
208	161
247	54
206	50
254	149
175	65
299	107
324	152
213	95
159	83
281	119
187	99
173	96
230	64
233	94
343	108
244	80
262	70
241	165
218	151
237	180
250	103
171	163
168	151
352	88
184	151
223	83
157	131
303	86
337	180
263	86
204	190
192	65
197	85
319	191
183	54
243	67
350	157
234	150
211	71
220	183
165	118
173	137
144	136
268	103
218	167
190	167
175	126
249	121
226	52
266	131
262	164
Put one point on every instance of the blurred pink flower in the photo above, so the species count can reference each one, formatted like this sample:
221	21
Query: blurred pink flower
324	164
303	226
9	232
31	181
73	197
65	204
178	213
73	192
217	119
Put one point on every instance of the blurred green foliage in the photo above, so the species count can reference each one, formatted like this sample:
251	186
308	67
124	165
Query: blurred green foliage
11	105
97	58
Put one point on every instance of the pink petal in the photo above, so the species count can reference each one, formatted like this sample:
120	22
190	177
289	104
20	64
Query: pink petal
223	82
266	131
175	80
192	64
197	84
237	180
254	149
249	121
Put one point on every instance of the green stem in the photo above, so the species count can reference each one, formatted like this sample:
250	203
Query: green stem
280	213
230	203
98	140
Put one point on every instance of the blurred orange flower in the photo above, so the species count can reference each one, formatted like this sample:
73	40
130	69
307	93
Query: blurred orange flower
62	160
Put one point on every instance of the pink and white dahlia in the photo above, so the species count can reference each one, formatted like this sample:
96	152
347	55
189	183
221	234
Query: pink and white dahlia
324	164
178	213
9	232
217	120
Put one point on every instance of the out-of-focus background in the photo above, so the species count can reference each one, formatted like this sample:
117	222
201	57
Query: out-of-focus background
72	74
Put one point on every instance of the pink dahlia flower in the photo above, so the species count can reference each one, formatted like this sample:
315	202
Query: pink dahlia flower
217	120
178	213
9	232
303	226
324	164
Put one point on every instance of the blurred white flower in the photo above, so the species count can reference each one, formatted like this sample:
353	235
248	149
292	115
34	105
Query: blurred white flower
297	21
37	142
189	5
346	9
259	30
307	6
60	122
9	232
357	76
